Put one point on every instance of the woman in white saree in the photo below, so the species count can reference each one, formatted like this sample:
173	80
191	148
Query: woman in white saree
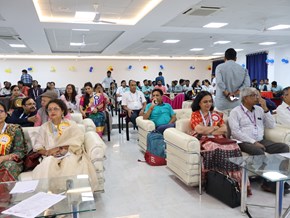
60	142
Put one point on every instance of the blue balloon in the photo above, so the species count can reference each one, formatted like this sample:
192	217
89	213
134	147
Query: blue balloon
29	68
129	67
243	65
91	69
272	61
286	61
192	67
161	67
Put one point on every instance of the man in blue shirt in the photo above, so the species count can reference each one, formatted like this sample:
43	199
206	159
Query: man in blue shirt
160	113
160	78
276	89
146	89
26	78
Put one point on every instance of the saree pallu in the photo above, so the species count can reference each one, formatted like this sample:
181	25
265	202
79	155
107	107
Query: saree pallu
99	120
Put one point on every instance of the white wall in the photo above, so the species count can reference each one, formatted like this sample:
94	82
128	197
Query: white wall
42	70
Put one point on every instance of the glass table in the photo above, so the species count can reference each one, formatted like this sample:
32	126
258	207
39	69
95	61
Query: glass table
273	167
77	189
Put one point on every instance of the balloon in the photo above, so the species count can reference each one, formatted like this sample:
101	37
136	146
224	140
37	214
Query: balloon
91	69
8	70
285	61
52	69
130	67
110	68
209	67
72	68
192	67
145	68
161	67
30	69
243	65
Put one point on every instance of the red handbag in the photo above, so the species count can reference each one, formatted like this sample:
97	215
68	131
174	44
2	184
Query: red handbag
31	160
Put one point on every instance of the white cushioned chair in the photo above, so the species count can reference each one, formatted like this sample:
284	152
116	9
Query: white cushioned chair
93	145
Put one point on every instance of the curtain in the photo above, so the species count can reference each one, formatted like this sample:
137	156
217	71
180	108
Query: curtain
214	65
257	66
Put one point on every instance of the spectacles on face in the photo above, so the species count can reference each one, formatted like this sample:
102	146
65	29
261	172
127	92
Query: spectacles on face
49	110
254	95
30	104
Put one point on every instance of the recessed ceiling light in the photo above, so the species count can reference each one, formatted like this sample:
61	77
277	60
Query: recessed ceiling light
84	30
238	49
171	41
218	53
196	49
77	44
17	45
221	42
279	27
84	16
215	25
267	43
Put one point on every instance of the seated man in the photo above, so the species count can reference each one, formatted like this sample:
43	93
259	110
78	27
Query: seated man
160	113
276	89
134	102
283	110
247	123
25	116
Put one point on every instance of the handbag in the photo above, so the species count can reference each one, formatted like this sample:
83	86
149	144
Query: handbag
31	160
224	188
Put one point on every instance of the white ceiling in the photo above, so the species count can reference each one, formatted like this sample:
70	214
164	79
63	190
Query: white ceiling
248	22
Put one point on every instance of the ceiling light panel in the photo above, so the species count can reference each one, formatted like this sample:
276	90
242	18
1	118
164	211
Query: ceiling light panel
221	42
84	16
196	49
171	41
279	27
267	43
215	25
17	45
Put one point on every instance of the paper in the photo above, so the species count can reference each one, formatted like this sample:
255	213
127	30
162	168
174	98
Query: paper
24	186
33	206
63	156
287	155
232	98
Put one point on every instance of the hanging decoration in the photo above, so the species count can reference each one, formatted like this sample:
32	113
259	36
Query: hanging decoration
270	61
161	67
91	69
145	68
243	65
72	68
192	67
8	70
130	67
209	67
30	69
285	60
52	69
110	68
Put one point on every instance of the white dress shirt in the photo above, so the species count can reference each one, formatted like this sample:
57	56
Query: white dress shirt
248	126
133	101
121	90
283	114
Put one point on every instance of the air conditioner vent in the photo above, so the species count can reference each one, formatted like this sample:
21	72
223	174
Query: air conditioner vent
202	11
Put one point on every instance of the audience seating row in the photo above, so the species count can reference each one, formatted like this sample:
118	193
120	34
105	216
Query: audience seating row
93	145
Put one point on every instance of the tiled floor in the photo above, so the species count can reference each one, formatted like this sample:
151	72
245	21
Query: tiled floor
136	190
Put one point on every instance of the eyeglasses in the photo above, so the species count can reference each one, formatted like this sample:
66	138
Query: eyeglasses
254	95
30	104
2	111
49	110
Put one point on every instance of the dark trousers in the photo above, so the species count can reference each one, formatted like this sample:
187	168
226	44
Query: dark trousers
271	147
134	115
162	128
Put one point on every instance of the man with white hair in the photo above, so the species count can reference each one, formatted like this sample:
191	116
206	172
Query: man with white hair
247	123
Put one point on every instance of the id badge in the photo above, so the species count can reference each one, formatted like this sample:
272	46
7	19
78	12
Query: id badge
255	131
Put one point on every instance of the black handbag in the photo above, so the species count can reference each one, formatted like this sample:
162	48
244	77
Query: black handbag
224	188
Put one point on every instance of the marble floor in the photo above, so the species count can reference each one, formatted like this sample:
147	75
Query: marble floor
136	190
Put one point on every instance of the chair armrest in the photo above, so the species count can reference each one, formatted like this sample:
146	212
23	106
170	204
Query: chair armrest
278	134
146	125
89	125
77	117
183	125
181	140
94	146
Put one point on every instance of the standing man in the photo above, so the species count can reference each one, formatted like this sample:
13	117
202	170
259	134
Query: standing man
283	110
107	81
134	102
160	78
35	93
230	79
26	78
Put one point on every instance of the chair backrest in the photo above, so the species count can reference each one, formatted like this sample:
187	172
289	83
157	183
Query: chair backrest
183	113
177	101
77	117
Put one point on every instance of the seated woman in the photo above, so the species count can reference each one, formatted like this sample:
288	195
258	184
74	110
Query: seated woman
207	124
112	94
15	98
60	142
92	106
12	148
71	98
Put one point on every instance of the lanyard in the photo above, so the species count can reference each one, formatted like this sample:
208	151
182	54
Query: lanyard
4	128
35	94
203	119
23	115
252	121
288	108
